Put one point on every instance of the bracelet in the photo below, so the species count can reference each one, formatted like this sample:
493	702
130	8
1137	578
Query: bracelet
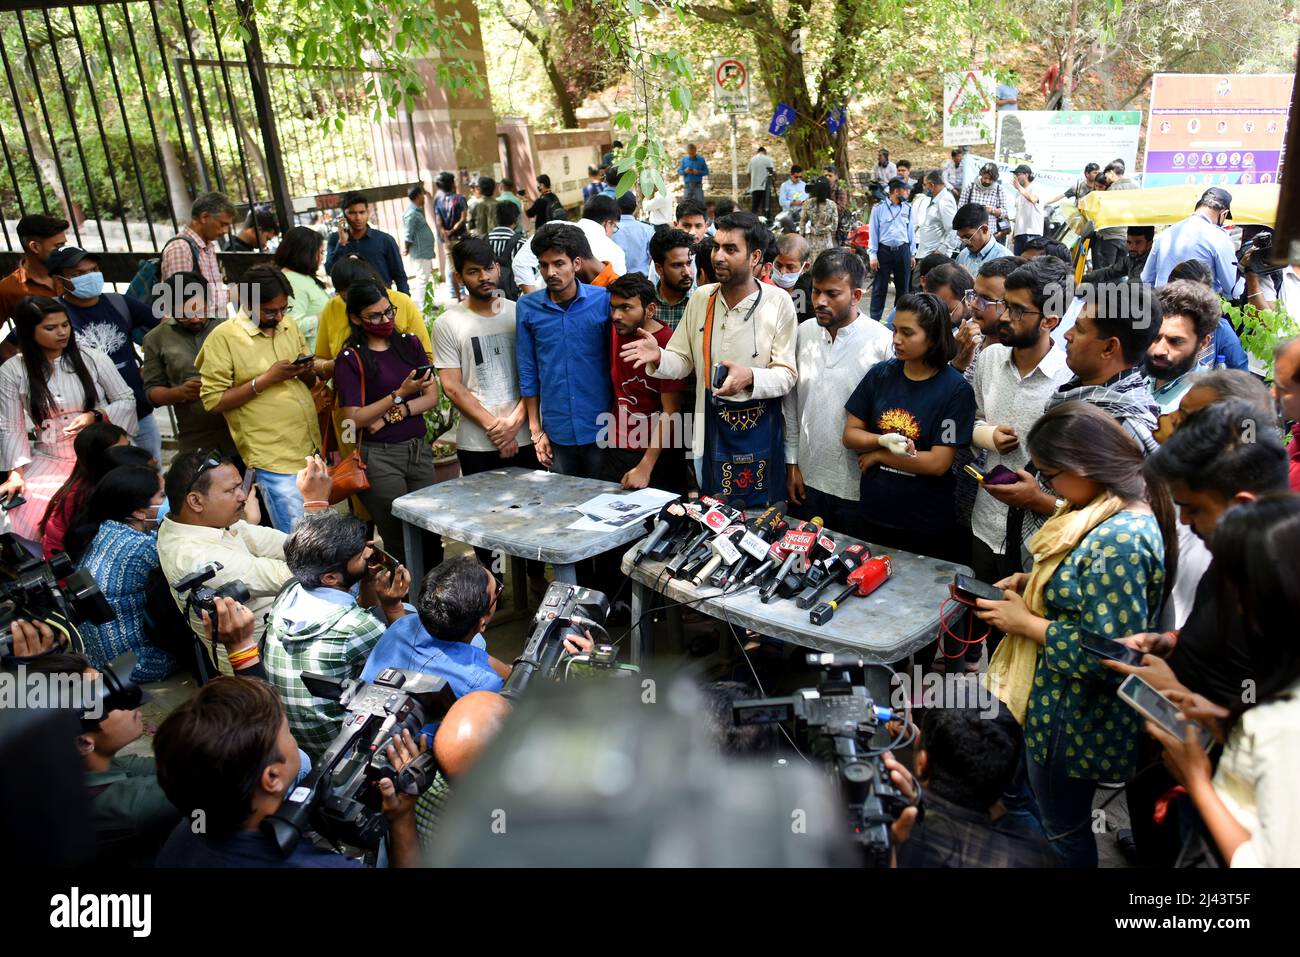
319	503
244	656
253	383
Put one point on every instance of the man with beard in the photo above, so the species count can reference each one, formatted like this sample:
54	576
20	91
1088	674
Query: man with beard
645	447
1013	381
1189	317
1104	351
672	252
735	334
833	354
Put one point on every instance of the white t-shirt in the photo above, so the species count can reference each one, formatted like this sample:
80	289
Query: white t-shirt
760	172
1029	216
483	348
602	247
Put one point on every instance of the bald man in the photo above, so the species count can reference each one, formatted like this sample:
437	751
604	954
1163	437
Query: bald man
469	727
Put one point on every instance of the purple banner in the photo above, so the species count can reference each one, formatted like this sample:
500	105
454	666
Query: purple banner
1213	161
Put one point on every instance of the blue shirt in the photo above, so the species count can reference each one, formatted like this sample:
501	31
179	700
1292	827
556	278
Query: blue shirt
1227	343
891	225
790	191
633	237
693	170
110	329
418	235
1194	238
563	355
377	248
971	262
1008	92
406	645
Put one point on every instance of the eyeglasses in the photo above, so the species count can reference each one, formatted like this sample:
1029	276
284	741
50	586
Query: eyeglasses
1019	312
384	316
972	298
211	460
266	314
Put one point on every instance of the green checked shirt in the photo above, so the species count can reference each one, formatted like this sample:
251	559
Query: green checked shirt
322	630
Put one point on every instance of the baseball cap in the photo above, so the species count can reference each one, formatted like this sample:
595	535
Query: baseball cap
66	257
1219	197
1022	168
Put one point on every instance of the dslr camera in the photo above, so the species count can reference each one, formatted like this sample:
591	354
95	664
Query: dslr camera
197	596
30	589
836	722
340	798
566	610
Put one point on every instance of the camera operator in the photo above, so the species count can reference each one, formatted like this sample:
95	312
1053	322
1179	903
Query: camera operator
457	601
227	759
132	816
317	625
964	763
205	524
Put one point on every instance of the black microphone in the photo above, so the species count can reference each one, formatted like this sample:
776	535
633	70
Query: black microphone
671	517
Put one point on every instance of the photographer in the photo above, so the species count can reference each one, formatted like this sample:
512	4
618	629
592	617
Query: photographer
964	762
457	601
132	815
227	759
206	495
317	625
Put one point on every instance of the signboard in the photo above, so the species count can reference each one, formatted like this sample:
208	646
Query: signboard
968	104
1216	129
782	120
1057	144
731	84
836	118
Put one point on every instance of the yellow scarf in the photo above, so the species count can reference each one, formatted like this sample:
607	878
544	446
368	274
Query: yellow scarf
1010	674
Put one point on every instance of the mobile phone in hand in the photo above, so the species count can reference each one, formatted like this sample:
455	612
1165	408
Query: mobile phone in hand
302	360
421	372
386	560
13	502
247	487
1109	648
1000	475
1150	703
719	375
972	588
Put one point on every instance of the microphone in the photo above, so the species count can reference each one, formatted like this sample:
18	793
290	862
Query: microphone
797	544
862	581
836	568
775	555
724	550
671	517
715	521
763	529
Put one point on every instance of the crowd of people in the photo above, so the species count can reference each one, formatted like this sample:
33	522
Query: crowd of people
1096	451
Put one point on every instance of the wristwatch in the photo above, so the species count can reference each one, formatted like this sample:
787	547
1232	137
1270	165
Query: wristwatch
398	399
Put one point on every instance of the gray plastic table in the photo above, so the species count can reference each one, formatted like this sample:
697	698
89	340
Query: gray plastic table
522	512
897	619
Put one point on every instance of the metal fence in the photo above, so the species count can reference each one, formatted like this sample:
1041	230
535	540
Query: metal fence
119	113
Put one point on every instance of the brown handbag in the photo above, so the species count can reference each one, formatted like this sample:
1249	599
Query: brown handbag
349	475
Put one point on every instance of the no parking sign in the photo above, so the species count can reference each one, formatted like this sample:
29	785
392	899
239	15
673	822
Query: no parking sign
731	84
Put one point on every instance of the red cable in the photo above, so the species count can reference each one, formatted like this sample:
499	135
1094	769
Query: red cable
945	617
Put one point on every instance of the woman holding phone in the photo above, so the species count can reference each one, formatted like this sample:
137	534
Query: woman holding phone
1102	565
385	384
48	395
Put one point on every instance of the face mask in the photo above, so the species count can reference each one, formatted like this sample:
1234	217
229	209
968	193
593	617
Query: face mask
88	285
785	280
383	329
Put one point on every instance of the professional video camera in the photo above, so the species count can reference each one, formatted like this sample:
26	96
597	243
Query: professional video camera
566	610
340	798
836	722
30	589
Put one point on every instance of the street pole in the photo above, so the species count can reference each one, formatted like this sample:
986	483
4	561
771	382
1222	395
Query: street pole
735	175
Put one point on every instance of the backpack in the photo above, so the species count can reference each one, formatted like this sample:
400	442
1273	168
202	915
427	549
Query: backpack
145	285
504	253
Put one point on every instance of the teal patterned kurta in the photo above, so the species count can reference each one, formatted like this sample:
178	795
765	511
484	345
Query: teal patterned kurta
1110	586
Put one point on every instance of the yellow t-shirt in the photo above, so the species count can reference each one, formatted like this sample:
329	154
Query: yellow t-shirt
334	328
278	429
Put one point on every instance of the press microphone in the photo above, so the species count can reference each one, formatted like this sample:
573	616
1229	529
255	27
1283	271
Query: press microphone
724	550
797	543
775	556
862	581
715	521
671	517
836	568
762	530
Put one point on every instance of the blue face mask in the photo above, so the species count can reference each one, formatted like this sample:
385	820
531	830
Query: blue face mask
88	285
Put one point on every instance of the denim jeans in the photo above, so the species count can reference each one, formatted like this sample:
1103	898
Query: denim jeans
284	504
695	192
580	461
1064	805
149	438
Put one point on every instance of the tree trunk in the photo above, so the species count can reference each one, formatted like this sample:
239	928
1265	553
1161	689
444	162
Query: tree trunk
808	139
563	98
43	156
174	176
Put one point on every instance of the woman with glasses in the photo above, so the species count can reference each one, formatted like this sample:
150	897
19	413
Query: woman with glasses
257	371
385	384
299	255
906	420
48	395
1102	566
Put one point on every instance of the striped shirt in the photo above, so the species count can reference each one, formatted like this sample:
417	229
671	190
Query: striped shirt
179	257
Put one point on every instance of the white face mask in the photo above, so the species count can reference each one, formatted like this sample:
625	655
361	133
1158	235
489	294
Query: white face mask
785	280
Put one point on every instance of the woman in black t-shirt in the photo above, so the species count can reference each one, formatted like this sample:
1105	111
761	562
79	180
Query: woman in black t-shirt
907	418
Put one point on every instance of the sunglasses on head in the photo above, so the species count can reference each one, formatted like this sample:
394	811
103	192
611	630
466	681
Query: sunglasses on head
211	460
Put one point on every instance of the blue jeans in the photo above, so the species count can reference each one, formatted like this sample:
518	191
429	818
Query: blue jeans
695	192
284	503
1064	806
149	438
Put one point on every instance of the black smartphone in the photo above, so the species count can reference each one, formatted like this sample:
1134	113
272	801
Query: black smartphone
719	375
972	588
249	475
13	502
422	371
386	560
1109	648
302	360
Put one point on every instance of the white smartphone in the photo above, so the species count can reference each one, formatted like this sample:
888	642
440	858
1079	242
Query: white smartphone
1149	702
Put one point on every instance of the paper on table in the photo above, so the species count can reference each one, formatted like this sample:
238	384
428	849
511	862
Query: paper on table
607	512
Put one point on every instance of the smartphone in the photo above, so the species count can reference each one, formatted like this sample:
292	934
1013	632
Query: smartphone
13	502
302	360
1108	648
719	375
249	475
386	560
1000	475
1150	703
422	371
972	588
973	472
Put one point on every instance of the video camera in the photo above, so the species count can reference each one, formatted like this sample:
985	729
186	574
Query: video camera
30	589
836	722
340	798
566	610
